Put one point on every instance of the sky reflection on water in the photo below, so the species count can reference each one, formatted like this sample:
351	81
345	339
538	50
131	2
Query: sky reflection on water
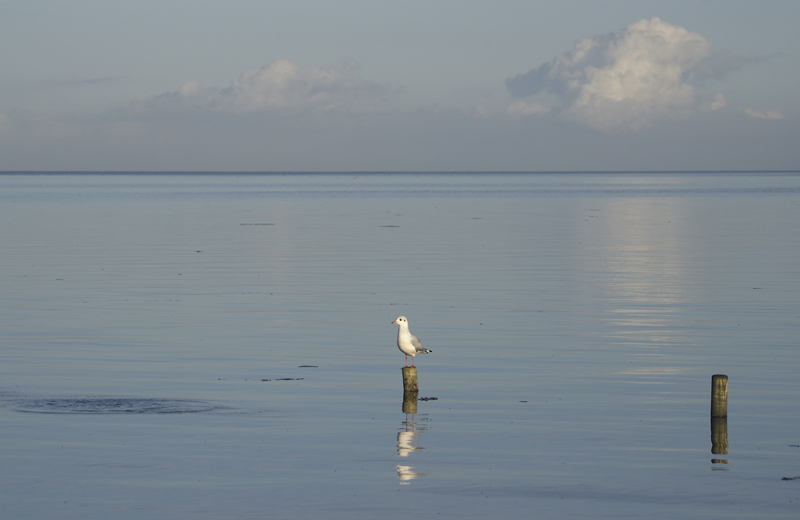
575	320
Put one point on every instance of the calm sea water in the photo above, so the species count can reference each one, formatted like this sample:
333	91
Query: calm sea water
220	346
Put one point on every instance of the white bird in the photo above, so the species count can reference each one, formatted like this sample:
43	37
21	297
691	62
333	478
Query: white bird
408	343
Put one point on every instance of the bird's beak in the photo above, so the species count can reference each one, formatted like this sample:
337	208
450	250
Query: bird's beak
394	322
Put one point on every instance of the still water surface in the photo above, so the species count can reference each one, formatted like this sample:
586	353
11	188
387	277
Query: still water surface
220	346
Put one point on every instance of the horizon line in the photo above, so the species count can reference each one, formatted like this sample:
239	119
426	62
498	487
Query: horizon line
365	172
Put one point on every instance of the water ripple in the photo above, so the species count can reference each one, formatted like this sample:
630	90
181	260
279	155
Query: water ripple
113	405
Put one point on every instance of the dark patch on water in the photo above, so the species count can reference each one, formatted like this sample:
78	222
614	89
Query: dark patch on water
113	405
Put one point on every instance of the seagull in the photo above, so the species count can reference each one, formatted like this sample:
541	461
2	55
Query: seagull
408	343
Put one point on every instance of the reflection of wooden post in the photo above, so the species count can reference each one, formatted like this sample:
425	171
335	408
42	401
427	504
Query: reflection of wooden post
719	437
719	395
410	389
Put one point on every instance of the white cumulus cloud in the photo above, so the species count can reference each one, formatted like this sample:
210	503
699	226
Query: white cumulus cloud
629	79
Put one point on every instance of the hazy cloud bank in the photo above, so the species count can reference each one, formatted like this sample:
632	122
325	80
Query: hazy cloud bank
629	79
769	114
287	117
279	86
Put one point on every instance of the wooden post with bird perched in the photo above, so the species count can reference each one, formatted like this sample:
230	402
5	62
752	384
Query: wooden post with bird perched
410	389
409	345
410	383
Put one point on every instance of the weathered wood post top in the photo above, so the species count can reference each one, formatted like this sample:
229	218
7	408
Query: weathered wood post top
410	389
719	395
410	383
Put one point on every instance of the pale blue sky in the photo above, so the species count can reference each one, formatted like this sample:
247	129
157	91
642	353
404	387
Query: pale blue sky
399	85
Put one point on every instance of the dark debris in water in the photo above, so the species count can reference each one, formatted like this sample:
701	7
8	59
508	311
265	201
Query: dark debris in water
308	366
285	379
112	405
428	399
790	478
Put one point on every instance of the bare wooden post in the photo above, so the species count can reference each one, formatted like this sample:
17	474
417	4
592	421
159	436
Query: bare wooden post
719	395
410	389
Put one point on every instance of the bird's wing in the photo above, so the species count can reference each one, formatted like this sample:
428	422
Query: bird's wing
417	345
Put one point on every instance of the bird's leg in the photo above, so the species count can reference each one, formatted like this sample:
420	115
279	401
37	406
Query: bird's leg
412	360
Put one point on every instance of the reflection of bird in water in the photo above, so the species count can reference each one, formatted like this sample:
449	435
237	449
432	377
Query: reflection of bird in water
405	474
404	446
408	343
